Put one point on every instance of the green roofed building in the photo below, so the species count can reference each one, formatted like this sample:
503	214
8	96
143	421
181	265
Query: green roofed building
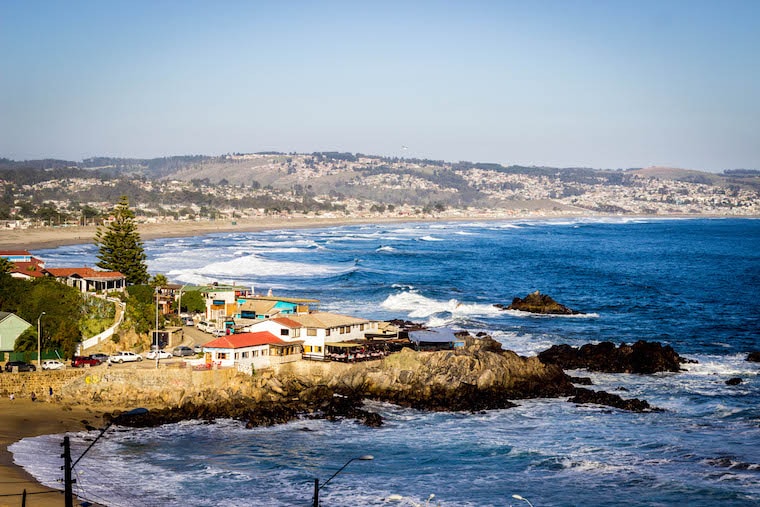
11	327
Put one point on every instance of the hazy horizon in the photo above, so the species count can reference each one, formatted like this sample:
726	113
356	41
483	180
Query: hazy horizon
564	84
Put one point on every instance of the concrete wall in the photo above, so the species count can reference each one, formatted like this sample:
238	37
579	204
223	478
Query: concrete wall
23	384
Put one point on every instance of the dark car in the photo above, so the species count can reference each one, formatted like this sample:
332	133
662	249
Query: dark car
21	365
82	361
100	357
183	350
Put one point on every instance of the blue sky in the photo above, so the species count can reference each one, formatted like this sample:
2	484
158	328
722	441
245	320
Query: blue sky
605	84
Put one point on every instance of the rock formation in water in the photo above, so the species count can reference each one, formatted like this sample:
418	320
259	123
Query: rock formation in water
641	357
536	302
754	357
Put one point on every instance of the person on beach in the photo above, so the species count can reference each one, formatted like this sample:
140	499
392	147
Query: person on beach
50	392
34	396
12	396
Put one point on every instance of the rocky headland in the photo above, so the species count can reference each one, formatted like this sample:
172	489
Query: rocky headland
535	302
479	376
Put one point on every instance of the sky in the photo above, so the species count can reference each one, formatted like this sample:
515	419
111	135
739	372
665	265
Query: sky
602	84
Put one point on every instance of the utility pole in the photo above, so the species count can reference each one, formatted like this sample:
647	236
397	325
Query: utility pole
68	489
316	492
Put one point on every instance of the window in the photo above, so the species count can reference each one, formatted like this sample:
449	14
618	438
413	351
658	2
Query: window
361	327
318	349
237	355
307	348
244	355
221	355
311	332
297	332
284	332
327	332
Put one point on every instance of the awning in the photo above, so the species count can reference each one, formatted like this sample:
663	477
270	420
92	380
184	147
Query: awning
346	345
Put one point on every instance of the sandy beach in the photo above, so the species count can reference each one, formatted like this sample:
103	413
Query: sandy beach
24	418
51	237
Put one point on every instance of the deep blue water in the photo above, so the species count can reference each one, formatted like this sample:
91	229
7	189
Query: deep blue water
694	284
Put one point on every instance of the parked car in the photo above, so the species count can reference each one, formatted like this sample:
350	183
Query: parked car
189	322
219	332
183	350
197	348
82	361
162	354
100	357
125	357
21	365
53	364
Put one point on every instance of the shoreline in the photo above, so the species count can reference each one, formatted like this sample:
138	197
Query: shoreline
52	237
23	419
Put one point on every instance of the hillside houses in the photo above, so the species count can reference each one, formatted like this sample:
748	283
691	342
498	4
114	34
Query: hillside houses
85	279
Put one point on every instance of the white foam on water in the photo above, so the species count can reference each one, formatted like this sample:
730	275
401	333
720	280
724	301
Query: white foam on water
531	315
430	238
418	306
255	265
385	249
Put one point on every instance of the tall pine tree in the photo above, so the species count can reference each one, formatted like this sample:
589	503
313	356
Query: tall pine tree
120	246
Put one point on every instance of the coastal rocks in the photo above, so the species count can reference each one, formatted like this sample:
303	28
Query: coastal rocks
641	357
734	381
536	302
754	357
584	396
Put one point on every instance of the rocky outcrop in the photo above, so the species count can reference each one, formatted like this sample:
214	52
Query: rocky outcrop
641	357
754	357
536	302
583	396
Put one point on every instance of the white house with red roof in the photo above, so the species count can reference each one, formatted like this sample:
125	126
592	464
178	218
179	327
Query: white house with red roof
318	330
251	351
25	265
88	279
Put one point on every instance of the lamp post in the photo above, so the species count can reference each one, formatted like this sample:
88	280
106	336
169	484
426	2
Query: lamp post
518	497
155	333
39	341
68	466
317	487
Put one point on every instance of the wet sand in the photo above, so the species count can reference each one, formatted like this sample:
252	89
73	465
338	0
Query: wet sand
24	418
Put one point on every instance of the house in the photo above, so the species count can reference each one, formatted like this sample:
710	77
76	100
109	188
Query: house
25	265
11	327
251	351
267	307
441	338
222	301
318	330
88	279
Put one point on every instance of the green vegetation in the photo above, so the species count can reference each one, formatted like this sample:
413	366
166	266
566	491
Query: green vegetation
120	247
64	308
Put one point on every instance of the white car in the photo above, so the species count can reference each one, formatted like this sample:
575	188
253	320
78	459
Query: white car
125	357
162	354
52	364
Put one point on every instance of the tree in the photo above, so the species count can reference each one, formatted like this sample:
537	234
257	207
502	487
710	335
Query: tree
120	246
5	266
192	302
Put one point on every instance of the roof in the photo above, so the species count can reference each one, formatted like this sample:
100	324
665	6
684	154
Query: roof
436	335
5	315
83	272
259	307
30	269
287	322
8	253
238	341
284	300
324	320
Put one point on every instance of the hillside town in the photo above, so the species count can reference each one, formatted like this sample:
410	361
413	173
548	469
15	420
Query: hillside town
236	328
236	187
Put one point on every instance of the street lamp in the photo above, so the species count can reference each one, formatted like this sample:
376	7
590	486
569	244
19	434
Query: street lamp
39	342
518	497
156	331
317	487
68	466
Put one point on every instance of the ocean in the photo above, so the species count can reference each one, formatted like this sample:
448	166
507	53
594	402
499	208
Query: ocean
690	283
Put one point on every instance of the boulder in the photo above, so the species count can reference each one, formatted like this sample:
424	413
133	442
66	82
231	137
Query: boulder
754	357
734	381
582	396
641	357
536	302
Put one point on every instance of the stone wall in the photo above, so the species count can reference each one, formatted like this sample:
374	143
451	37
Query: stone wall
23	384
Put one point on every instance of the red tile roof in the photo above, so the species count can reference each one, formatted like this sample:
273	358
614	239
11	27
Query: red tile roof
237	341
30	269
8	253
83	273
287	322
